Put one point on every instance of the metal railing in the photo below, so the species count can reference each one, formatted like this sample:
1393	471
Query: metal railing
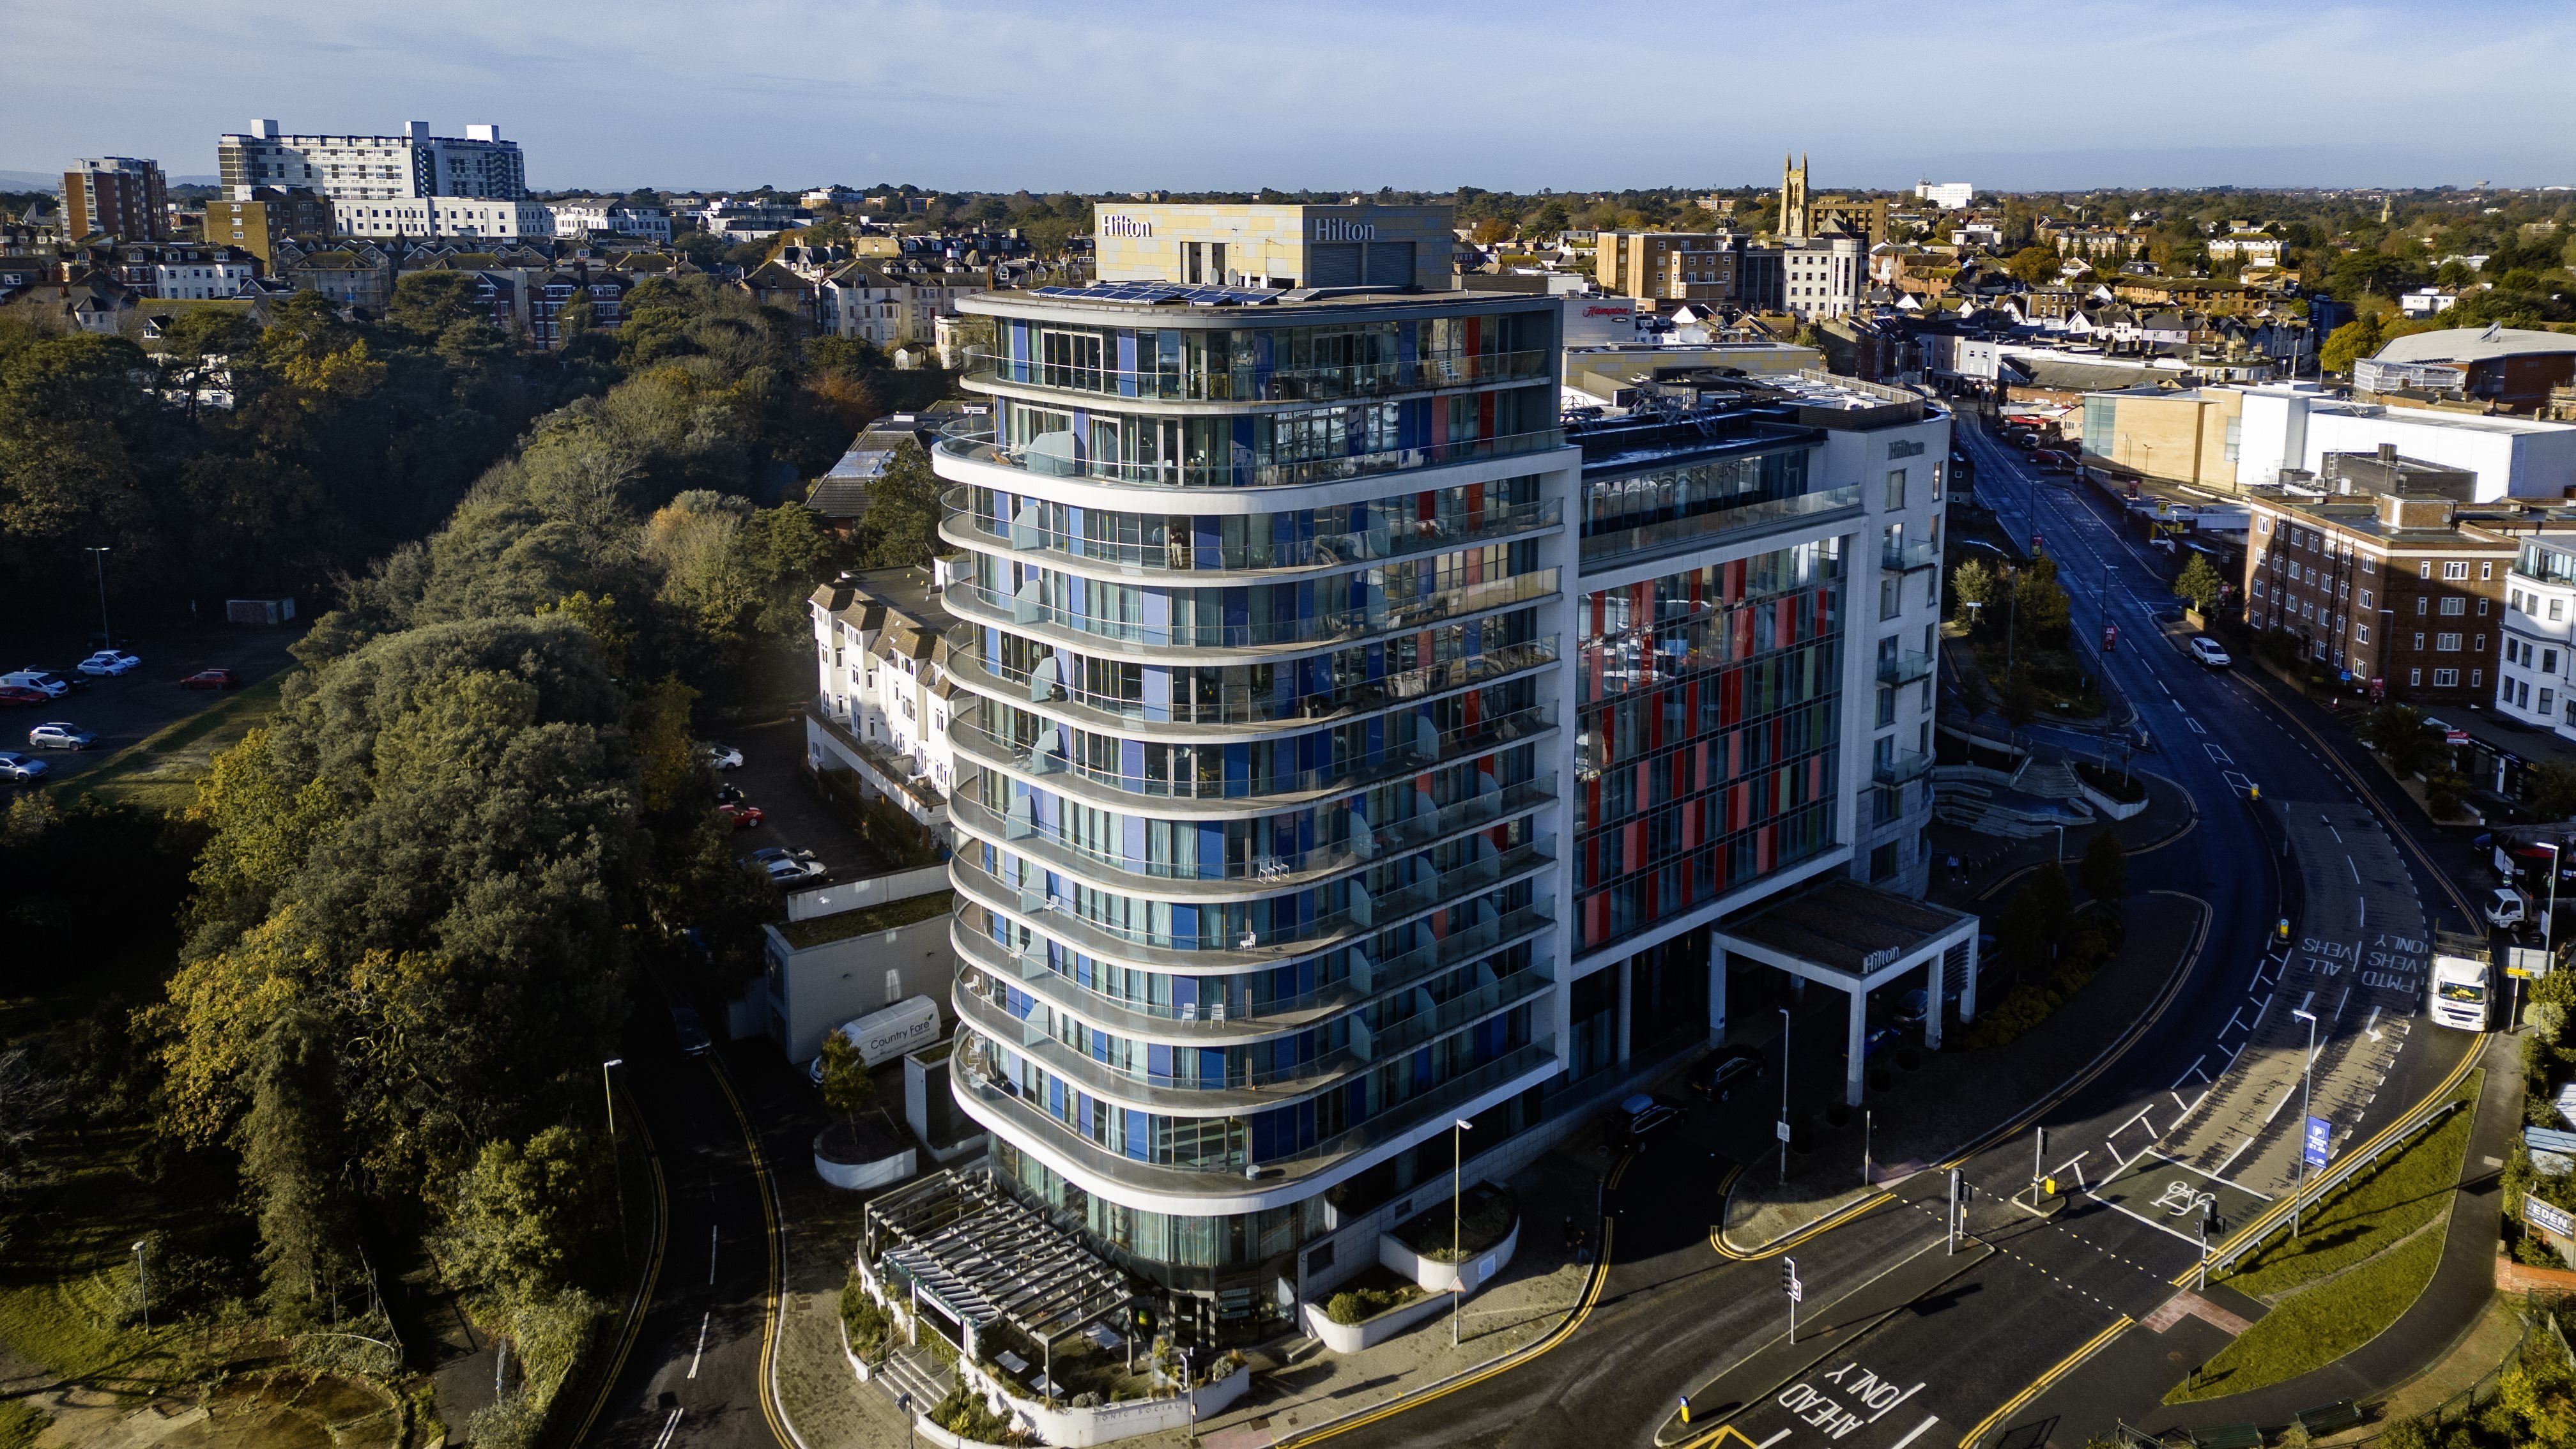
1693	529
1904	666
976	446
2332	1180
1395	538
1905	767
1328	627
1897	556
1247	384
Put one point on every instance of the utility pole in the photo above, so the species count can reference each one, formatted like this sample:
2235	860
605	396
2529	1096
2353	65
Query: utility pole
1457	1258
2307	1069
143	1284
1950	1221
1864	1146
616	1168
2038	1152
1784	1096
1796	1290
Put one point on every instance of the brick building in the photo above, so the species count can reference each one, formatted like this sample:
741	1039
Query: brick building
2403	590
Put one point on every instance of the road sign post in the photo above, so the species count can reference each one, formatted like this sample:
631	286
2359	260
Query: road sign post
1796	1291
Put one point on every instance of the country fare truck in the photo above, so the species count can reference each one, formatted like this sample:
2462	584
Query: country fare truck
2463	986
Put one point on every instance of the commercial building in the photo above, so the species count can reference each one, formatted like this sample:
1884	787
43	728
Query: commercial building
116	196
1667	266
611	216
1345	749
1948	195
1253	245
2496	368
408	185
1822	277
2236	437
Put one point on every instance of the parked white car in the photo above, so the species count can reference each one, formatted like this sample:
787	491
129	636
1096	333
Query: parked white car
2208	651
724	757
109	662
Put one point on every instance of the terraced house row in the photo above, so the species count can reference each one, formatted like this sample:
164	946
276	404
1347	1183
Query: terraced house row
1346	747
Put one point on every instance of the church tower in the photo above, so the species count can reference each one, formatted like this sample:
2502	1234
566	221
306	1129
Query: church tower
1793	198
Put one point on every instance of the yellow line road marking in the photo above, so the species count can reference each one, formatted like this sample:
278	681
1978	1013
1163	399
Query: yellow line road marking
652	1277
769	1410
2041	1384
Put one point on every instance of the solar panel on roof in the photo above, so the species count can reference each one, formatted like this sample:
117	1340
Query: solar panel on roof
1153	294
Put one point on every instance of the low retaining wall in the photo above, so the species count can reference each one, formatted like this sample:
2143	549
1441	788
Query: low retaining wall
1370	1332
883	1172
1437	1277
2109	807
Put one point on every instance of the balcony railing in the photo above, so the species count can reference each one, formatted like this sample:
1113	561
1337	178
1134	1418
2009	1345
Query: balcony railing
1897	556
1428	747
1332	626
1238	704
1245	1015
1608	543
1223	1177
1903	767
1904	666
1264	384
976	446
1259	873
1052	915
1397	538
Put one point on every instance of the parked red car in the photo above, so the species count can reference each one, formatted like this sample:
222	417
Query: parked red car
211	679
743	816
20	696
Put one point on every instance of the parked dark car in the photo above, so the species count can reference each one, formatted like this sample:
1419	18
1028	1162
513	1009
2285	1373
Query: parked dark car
1720	1074
691	1031
1646	1116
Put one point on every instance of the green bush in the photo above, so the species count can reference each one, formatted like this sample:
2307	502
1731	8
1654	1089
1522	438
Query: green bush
869	1326
964	1413
1358	1305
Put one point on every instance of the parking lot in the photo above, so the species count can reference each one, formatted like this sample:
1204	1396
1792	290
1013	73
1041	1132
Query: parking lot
773	777
130	708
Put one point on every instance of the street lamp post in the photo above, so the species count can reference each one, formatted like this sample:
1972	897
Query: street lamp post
1784	1096
1457	1188
98	555
2307	1069
143	1285
616	1169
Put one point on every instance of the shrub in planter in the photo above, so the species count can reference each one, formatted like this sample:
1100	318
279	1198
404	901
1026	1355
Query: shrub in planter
1362	1304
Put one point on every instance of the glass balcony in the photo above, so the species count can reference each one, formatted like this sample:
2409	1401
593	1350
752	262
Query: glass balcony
1263	384
1163	950
1239	704
1903	767
991	1095
1246	1017
1329	627
976	446
1260	874
1399	539
1241	1087
1904	666
1700	528
1898	556
1429	746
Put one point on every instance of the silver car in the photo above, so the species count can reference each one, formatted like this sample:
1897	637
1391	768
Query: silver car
60	736
22	768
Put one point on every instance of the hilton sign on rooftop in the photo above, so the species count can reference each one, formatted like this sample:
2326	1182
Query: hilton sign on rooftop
1334	228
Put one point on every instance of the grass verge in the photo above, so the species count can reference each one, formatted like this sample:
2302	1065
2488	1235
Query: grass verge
20	1423
161	770
2369	1215
2312	1329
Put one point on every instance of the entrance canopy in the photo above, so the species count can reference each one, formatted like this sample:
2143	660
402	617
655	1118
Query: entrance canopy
1857	938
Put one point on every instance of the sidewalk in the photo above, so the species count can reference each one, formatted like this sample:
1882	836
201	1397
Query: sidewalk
1959	1098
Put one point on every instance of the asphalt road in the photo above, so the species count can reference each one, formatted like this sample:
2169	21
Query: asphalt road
693	1377
1675	1311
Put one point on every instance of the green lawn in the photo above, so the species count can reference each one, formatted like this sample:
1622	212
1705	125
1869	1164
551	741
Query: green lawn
161	771
2312	1329
20	1423
2368	1215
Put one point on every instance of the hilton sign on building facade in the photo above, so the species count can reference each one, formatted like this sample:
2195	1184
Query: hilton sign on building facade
1275	246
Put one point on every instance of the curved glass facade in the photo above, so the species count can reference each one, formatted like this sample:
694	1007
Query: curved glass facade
1255	809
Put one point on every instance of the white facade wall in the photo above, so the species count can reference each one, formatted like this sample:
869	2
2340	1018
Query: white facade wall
201	281
2513	458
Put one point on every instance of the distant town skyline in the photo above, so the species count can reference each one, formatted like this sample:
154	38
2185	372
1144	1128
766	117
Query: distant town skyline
1512	96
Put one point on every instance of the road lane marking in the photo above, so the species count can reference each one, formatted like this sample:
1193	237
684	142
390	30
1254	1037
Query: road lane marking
2259	1013
711	1255
2221	756
2190	1071
702	1342
668	1425
1774	1439
1915	1433
2195	725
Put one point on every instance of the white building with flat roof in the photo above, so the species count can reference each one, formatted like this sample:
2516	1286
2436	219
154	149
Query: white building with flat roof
1948	195
2294	425
411	164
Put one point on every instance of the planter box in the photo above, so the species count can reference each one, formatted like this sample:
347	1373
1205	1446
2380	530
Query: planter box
2111	808
1436	1277
1074	1428
848	1160
1370	1332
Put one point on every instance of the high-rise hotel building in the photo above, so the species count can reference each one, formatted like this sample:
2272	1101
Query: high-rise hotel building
1346	749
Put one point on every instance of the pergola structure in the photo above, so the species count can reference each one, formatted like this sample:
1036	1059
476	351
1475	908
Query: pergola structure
960	1245
1854	938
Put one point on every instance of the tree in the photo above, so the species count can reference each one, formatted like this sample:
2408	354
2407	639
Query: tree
2552	788
847	1087
2106	870
2040	605
2019	697
520	1216
2352	341
2199	583
901	527
290	1161
1974	583
2051	898
2034	264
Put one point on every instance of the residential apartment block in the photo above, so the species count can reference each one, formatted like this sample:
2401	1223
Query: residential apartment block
118	197
1345	749
2536	677
2403	590
268	216
1667	266
374	168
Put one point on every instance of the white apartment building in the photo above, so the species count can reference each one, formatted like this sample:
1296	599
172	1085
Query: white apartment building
445	216
884	694
1345	749
892	305
202	280
2252	248
411	184
1823	277
1948	195
611	216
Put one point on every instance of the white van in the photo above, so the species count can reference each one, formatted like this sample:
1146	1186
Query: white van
882	1036
38	679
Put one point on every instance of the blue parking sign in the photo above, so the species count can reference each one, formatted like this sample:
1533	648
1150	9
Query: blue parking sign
2318	1130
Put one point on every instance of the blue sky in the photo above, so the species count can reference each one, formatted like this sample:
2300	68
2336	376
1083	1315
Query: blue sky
1503	94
